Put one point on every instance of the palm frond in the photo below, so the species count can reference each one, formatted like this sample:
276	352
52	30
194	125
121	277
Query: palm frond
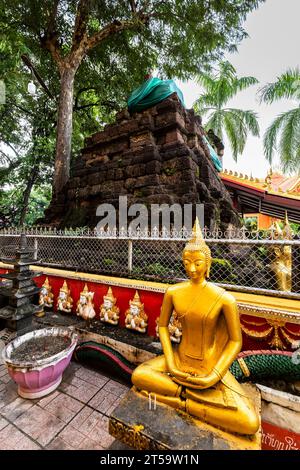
234	133
216	122
289	144
287	86
249	119
243	83
271	135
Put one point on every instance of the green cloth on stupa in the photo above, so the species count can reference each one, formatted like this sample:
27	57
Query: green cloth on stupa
152	91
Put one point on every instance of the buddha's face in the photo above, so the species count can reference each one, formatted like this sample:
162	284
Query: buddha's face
107	303
134	310
195	264
62	296
44	291
83	299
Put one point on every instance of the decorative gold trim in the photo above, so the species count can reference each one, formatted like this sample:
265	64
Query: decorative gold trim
257	334
273	314
244	367
132	436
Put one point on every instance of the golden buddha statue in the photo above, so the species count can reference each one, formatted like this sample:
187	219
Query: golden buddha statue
175	328
194	376
136	318
46	296
282	263
109	312
64	300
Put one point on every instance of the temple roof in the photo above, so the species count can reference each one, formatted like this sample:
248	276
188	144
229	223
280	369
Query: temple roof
272	195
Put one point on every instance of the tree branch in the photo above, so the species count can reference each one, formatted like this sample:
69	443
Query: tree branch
132	6
82	16
52	19
116	27
30	65
49	40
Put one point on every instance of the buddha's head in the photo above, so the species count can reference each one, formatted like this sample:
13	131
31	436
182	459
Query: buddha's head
136	305
64	291
84	294
45	287
109	300
196	255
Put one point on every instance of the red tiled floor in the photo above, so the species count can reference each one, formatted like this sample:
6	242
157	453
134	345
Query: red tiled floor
64	407
13	438
59	444
39	424
88	426
16	408
108	398
72	417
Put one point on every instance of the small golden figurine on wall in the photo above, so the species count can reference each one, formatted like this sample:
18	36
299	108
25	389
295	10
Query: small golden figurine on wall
282	262
109	312
136	318
175	328
81	306
85	307
46	296
64	301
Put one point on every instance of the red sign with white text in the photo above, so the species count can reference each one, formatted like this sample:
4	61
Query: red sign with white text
275	438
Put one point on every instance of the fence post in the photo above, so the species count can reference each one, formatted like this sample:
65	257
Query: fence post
35	247
129	257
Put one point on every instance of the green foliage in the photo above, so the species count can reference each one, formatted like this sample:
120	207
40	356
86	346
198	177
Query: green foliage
250	223
219	88
157	268
221	270
11	203
109	263
283	135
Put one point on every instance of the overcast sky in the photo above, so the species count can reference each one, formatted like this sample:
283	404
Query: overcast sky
272	47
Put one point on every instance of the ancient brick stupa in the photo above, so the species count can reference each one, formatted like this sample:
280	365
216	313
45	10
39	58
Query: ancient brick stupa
158	156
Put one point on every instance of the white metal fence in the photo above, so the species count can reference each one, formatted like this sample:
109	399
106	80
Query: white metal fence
248	261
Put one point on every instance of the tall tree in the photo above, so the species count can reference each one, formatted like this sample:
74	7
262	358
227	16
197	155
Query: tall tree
174	36
283	135
218	89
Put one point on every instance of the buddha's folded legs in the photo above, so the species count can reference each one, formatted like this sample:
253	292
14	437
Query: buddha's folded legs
152	376
244	420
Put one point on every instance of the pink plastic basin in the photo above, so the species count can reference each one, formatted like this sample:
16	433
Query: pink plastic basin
41	376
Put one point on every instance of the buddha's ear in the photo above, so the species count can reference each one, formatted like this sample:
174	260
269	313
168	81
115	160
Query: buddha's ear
208	269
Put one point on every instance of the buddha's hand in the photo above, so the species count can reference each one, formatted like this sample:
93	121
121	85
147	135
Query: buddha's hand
203	382
178	374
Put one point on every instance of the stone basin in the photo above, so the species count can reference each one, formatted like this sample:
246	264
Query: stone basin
39	377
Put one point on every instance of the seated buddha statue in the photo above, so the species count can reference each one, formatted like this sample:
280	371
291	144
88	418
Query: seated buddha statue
109	312
46	296
64	300
194	376
135	316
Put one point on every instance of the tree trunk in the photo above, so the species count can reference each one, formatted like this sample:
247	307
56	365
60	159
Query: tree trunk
29	186
64	130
